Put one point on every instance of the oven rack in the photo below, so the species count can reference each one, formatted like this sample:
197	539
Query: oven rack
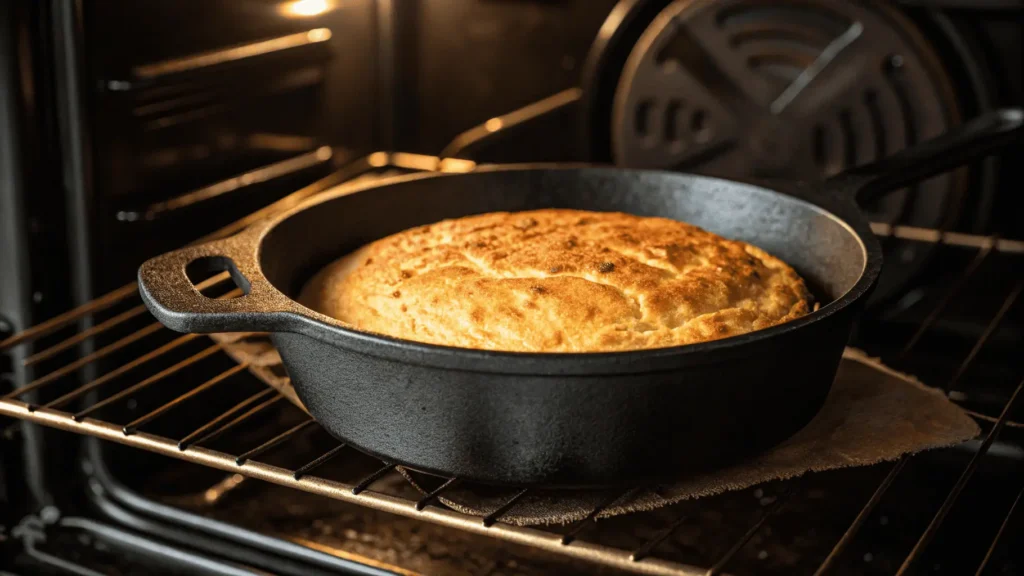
568	541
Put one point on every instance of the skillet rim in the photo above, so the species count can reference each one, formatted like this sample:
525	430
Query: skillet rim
831	204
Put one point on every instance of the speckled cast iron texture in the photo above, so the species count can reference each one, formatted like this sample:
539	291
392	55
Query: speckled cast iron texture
560	419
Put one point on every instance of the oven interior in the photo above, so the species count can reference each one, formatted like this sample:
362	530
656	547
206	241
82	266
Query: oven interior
281	496
783	527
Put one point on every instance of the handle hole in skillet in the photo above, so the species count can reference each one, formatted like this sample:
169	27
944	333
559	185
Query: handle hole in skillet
207	267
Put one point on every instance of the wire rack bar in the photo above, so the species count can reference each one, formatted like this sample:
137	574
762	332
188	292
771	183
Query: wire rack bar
989	330
959	239
952	290
84	335
862	517
108	324
576	528
780	501
947	505
999	535
92	307
58	322
373	477
206	353
85	360
645	549
320	461
216	432
246	456
433	494
340	491
122	369
466	140
114	347
216	422
493	517
132	426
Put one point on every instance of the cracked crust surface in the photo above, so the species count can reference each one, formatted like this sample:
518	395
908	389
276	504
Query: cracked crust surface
558	281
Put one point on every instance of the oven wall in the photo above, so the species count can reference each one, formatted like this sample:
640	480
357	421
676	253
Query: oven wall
462	62
14	287
33	250
34	277
200	111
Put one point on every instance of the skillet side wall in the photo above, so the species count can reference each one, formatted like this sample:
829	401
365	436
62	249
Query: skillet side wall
582	419
570	430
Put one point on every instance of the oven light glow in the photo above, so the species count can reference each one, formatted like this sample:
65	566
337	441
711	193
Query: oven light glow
494	124
306	8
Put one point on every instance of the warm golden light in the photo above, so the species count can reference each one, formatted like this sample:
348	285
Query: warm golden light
456	165
324	153
377	159
305	8
319	35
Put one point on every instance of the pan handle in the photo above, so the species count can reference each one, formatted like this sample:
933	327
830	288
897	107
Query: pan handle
962	144
174	300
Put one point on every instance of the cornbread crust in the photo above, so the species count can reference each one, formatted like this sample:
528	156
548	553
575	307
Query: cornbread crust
558	281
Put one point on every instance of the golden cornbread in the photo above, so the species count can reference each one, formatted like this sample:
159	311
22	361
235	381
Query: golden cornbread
558	281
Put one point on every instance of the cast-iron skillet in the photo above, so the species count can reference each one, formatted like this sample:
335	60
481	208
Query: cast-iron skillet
562	419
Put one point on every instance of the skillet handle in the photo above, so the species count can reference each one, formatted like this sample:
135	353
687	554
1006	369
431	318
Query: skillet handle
964	143
177	304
